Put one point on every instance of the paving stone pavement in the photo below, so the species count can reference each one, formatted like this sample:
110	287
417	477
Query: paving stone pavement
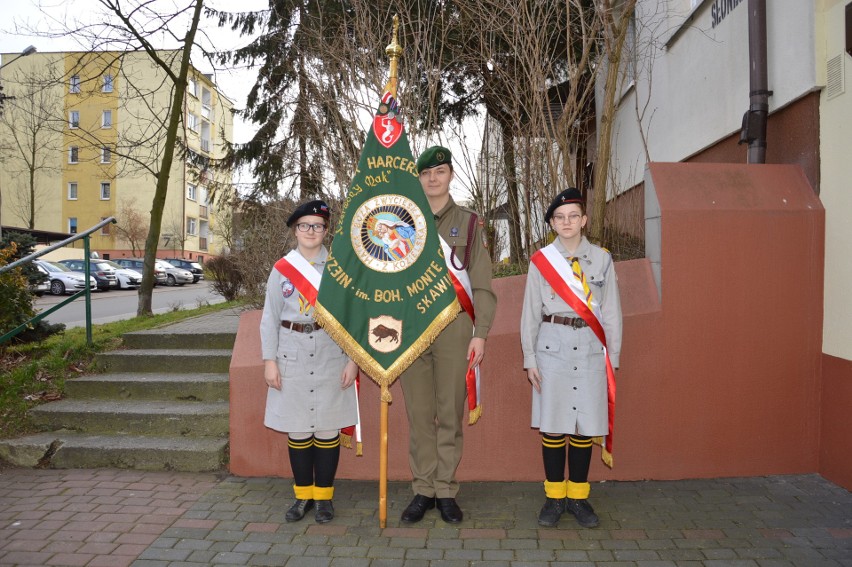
121	518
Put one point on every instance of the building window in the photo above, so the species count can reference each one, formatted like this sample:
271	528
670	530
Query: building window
105	228
106	154
73	154
192	87
72	191
74	85
191	226
205	136
206	103
107	88
105	190
72	225
74	119
192	121
191	192
106	119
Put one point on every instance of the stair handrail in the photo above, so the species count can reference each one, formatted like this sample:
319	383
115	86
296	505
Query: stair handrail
86	291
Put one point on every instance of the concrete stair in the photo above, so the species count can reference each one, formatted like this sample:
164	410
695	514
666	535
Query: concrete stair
161	405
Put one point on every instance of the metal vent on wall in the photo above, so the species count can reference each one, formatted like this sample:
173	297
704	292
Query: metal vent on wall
834	77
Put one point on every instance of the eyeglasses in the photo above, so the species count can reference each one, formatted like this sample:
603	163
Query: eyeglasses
570	219
305	227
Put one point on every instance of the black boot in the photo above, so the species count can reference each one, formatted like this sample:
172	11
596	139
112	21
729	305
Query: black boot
551	512
298	510
325	512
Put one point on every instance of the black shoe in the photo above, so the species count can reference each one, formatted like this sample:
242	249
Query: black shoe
417	509
298	510
450	511
550	512
583	511
325	511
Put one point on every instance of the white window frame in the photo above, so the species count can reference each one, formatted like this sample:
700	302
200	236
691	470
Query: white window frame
108	186
192	86
192	122
191	192
73	154
106	122
74	84
191	226
107	86
73	190
73	119
72	226
106	154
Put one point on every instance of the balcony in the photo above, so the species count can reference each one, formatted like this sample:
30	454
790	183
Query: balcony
202	211
205	145
202	243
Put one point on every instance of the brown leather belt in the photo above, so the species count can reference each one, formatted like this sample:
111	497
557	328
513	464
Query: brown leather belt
300	327
574	322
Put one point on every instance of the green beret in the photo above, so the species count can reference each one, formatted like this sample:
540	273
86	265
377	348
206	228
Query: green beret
433	157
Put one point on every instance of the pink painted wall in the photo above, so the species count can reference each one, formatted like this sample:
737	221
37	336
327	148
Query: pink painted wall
721	378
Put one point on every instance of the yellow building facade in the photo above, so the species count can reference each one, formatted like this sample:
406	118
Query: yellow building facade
103	145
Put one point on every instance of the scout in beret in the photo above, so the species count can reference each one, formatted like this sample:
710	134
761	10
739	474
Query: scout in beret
435	432
565	360
309	395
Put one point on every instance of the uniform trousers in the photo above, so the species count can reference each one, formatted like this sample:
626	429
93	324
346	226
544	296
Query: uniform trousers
434	390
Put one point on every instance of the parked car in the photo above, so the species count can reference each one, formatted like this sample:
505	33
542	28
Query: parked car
42	287
193	267
63	279
175	275
138	265
127	278
103	273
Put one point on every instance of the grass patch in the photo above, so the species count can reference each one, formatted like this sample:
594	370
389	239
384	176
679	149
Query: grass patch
35	373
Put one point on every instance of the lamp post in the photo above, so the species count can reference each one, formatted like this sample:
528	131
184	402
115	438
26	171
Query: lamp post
27	51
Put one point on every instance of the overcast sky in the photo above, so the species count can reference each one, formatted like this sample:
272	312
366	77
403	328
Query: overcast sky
46	15
50	15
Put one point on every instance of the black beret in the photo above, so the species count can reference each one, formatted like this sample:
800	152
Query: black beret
316	208
433	157
570	195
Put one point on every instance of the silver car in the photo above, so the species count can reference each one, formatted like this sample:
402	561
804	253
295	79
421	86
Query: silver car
63	279
138	265
175	275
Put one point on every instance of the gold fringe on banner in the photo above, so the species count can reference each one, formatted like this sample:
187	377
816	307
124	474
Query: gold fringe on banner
380	375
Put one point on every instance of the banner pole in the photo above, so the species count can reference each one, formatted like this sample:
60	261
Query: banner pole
383	468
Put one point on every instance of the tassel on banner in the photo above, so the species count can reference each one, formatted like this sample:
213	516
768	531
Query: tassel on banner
386	395
475	414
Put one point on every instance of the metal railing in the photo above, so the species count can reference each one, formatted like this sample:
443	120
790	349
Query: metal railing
85	292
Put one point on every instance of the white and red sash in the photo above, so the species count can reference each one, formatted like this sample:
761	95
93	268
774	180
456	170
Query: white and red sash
569	286
464	292
304	276
306	280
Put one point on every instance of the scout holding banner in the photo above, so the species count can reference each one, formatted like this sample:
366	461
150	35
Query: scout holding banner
386	293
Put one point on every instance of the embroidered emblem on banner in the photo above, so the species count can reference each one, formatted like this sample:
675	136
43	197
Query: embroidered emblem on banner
387	124
388	233
287	288
385	332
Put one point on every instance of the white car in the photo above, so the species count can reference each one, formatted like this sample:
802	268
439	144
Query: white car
63	279
43	287
127	278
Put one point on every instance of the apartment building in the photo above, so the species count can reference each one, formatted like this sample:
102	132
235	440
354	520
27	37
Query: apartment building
82	140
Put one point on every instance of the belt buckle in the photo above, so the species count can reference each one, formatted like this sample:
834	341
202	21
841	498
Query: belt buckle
576	323
308	328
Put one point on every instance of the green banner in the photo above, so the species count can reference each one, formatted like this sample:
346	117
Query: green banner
386	292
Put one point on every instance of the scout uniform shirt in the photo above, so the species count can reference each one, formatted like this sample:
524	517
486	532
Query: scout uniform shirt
310	363
573	397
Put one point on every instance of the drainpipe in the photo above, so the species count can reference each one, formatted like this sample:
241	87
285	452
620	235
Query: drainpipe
754	121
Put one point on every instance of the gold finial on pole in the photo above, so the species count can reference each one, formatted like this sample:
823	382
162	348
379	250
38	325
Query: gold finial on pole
394	52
